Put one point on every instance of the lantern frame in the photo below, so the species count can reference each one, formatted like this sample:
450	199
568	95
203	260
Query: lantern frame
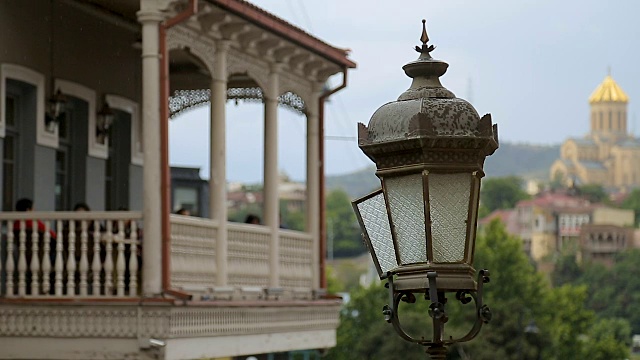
427	134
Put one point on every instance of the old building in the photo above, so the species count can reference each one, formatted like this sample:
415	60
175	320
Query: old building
144	283
608	155
559	223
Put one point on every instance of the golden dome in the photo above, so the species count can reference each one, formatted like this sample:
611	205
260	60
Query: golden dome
609	90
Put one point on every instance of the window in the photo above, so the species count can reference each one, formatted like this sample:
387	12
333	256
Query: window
601	120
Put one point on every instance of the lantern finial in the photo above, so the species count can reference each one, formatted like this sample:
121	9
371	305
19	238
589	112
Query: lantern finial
425	49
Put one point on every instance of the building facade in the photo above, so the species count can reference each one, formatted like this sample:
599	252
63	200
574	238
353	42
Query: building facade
608	155
143	283
552	224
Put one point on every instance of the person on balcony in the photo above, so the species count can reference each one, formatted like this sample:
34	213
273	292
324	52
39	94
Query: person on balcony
252	219
26	205
183	211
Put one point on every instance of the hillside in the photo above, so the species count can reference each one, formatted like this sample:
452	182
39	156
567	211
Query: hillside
524	160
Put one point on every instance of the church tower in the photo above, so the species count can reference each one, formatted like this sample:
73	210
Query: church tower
609	155
609	110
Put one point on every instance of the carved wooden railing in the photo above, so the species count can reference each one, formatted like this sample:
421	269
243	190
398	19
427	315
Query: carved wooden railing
98	254
194	266
296	259
248	255
70	254
193	253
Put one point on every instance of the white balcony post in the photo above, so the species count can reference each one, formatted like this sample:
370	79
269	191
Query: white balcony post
150	17
313	181
217	158
271	177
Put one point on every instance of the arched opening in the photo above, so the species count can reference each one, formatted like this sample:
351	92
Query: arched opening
189	85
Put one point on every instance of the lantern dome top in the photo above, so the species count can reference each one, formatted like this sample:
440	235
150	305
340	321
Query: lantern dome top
425	109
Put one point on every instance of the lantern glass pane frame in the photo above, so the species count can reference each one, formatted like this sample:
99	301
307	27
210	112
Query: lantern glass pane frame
372	214
405	195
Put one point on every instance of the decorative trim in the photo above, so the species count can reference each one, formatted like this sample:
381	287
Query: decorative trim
199	46
95	149
21	73
163	322
130	106
183	100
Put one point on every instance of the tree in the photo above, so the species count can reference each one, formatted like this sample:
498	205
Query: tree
633	202
517	295
593	192
566	271
342	226
615	292
502	193
363	333
608	339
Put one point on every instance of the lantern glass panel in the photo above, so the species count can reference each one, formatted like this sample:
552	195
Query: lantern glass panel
449	209
375	222
405	196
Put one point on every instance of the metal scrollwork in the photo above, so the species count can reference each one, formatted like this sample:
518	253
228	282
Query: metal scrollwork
184	100
436	346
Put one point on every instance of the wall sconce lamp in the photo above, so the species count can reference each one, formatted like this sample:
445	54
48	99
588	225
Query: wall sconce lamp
104	121
55	108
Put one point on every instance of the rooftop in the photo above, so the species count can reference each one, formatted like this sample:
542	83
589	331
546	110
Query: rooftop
608	91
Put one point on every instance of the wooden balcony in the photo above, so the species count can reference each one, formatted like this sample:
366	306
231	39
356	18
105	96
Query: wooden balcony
70	282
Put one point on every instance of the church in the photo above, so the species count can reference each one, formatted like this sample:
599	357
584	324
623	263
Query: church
608	155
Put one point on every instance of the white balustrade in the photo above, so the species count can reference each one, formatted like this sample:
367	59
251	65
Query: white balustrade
69	254
296	255
96	254
248	255
193	253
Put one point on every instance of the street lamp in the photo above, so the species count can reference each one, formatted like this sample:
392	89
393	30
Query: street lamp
429	149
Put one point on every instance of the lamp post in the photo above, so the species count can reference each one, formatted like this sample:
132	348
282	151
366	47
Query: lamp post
429	149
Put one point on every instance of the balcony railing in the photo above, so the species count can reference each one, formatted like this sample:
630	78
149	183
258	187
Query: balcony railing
99	254
70	254
194	263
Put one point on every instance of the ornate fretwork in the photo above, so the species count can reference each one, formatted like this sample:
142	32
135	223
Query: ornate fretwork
252	94
292	102
183	100
200	46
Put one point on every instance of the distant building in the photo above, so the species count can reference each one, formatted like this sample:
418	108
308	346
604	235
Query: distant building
601	243
189	191
608	155
554	223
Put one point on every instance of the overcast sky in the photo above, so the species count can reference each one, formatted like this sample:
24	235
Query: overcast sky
532	64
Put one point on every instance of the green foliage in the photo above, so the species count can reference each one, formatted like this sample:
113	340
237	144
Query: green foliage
293	220
514	296
615	292
502	193
349	270
334	285
593	192
608	339
566	271
342	226
519	297
240	215
565	320
633	202
363	333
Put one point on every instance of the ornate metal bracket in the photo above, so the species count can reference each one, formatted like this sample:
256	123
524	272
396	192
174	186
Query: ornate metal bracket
436	347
